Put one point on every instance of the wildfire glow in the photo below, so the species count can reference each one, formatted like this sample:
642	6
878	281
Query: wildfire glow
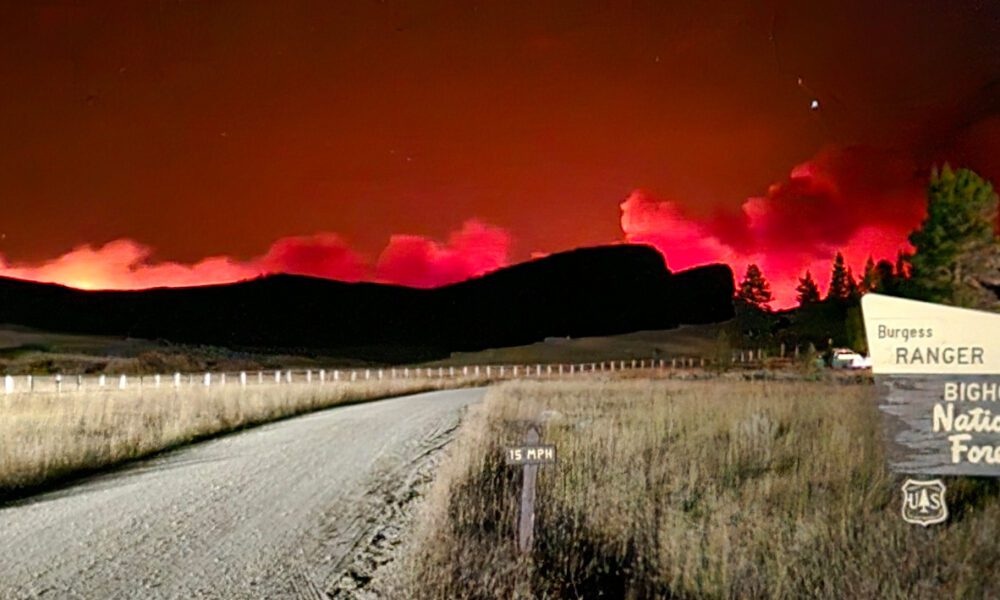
407	260
857	201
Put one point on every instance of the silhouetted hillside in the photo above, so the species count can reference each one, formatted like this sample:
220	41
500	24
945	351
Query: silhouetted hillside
591	291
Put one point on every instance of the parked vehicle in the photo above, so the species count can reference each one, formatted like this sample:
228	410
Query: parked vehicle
844	358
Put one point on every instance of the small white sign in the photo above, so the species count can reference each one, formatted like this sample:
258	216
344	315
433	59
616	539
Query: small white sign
923	502
535	454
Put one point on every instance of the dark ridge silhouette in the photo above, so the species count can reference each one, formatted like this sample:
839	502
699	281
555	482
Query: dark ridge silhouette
585	292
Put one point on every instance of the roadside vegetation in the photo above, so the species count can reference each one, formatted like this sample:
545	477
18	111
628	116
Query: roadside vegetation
45	437
692	489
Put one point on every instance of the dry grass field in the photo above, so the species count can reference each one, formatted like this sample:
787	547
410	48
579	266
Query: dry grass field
48	436
693	490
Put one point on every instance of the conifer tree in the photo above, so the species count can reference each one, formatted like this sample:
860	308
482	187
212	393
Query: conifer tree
869	280
807	292
839	284
755	290
956	251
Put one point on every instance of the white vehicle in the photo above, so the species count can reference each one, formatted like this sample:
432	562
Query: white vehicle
844	358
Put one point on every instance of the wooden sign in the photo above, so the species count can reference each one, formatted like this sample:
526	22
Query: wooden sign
937	369
532	454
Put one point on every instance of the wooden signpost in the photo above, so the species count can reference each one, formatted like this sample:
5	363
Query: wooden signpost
937	369
530	456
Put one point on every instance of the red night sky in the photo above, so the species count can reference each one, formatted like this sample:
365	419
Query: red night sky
177	143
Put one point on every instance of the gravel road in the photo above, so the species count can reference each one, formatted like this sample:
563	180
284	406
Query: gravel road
280	511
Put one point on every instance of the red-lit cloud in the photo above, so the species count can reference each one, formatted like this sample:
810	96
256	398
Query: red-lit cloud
407	260
859	201
420	262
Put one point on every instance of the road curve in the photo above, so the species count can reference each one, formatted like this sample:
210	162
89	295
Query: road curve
273	512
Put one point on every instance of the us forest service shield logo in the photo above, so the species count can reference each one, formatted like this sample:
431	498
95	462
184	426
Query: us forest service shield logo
923	502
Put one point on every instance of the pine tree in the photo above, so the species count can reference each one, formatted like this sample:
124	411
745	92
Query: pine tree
869	280
839	284
956	251
886	279
853	290
807	290
755	290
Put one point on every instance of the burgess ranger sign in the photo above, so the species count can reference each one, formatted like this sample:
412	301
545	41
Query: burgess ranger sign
937	369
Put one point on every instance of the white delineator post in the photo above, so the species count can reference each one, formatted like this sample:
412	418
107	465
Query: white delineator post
177	380
243	378
122	382
208	379
8	384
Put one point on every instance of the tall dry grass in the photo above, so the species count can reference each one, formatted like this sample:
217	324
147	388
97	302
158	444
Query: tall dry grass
694	489
48	436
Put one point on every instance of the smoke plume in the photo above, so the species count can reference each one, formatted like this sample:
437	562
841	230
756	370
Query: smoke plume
407	260
860	201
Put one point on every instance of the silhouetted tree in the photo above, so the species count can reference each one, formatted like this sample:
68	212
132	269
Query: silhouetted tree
886	279
840	286
807	292
869	280
754	290
853	290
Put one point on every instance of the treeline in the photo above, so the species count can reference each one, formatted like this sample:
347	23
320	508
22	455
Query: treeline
955	259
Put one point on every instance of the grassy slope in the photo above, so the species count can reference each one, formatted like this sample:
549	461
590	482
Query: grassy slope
695	489
24	350
686	341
